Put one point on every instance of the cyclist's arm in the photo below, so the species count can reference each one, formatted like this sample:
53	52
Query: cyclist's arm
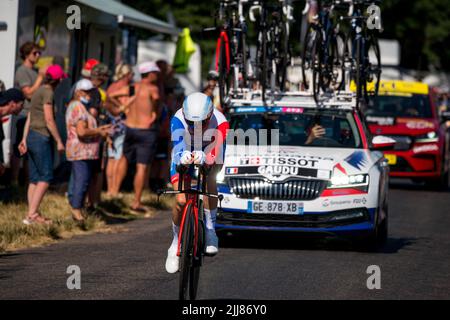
177	131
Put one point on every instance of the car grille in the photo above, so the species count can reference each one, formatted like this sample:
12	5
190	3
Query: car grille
402	142
289	190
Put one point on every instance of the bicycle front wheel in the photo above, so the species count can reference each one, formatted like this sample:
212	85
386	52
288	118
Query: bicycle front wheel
197	260
187	251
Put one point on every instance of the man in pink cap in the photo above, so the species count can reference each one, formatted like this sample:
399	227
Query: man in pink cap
39	134
141	131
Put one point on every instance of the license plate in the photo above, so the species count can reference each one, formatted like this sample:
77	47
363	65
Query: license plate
269	207
391	158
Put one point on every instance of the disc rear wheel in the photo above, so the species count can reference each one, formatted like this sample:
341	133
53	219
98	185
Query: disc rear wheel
187	252
197	260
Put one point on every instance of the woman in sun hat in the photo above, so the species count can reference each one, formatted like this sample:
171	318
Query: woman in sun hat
83	144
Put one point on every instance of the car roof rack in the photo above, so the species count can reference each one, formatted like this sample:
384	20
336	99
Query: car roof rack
253	98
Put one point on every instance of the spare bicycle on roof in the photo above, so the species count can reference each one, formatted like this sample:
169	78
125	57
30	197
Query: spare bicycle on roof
340	51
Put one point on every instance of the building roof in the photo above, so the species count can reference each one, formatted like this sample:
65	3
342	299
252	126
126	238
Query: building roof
130	16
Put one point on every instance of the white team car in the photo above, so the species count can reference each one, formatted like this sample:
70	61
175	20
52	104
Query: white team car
336	183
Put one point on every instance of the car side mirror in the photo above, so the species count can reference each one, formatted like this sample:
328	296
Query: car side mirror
383	143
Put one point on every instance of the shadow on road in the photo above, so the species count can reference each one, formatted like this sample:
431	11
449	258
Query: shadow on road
295	241
393	245
7	265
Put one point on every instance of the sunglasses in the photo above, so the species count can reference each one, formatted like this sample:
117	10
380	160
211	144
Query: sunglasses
36	53
191	124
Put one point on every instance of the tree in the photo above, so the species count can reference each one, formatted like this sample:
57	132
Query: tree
193	14
423	29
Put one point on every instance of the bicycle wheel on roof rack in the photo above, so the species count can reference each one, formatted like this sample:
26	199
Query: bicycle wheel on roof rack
308	43
373	69
223	69
316	66
359	72
244	60
339	50
264	67
283	59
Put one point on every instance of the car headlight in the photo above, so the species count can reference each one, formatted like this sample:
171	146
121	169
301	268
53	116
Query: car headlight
349	181
431	136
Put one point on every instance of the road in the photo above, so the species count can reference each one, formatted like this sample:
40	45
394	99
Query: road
130	265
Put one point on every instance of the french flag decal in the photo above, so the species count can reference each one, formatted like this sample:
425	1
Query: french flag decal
232	170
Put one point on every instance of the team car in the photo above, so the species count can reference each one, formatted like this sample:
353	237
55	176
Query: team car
282	180
406	112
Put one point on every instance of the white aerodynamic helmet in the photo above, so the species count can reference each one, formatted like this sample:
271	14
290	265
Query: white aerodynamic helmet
197	107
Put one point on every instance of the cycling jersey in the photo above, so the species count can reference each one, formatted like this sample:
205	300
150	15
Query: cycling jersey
212	142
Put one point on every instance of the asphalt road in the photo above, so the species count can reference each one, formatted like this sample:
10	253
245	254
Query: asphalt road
415	264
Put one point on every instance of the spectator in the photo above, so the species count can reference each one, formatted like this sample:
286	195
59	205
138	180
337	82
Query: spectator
120	95
83	145
444	101
62	98
11	103
212	89
87	68
159	172
2	135
39	129
141	131
86	73
163	77
29	81
99	77
174	91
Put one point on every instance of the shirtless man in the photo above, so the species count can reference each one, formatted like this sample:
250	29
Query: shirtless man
141	131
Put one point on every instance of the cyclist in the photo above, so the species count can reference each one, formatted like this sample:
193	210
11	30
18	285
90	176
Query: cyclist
198	132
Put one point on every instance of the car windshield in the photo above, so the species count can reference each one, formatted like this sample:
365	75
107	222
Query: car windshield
333	128
408	106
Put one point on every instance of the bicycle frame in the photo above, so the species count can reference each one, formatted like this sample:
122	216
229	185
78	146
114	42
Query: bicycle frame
223	37
193	198
360	52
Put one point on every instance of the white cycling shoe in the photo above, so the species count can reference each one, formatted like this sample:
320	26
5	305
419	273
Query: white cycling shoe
212	242
172	261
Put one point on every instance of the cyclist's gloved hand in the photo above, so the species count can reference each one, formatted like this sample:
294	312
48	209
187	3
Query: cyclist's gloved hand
186	158
199	157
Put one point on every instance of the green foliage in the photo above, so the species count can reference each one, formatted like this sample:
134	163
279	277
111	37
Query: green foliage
194	14
423	29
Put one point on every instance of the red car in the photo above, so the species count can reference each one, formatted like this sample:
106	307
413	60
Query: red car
406	112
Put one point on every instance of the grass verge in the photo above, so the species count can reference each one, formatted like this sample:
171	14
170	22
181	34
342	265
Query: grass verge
107	217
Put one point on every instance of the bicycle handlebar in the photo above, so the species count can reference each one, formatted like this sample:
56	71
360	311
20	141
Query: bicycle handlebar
251	12
181	169
190	191
221	28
